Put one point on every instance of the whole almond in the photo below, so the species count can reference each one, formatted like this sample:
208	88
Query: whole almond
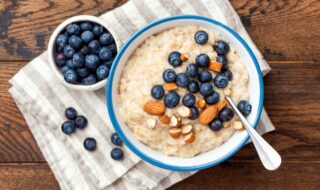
175	132
184	111
222	104
189	138
154	108
170	86
208	115
215	66
164	119
201	103
186	129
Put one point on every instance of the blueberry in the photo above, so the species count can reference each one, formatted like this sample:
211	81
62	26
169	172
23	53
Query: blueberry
70	113
84	50
174	59
68	127
195	113
87	36
73	28
171	99
157	92
193	86
244	107
86	26
202	60
97	30
192	70
182	80
221	47
64	69
81	122
188	100
169	75
216	125
59	49
212	99
205	76
201	37
223	60
75	42
226	114
206	89
115	139
106	39
90	144
78	60
221	81
116	154
94	46
105	54
62	40
68	51
89	80
70	76
60	59
109	63
83	72
71	64
92	61
228	74
102	72
113	48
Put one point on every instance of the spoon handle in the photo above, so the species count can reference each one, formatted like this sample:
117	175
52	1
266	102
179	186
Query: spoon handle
269	157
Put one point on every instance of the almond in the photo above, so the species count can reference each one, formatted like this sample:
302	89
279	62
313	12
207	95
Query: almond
171	86
201	103
154	108
222	104
215	66
186	129
183	57
174	121
184	111
151	123
175	132
208	115
189	138
164	119
237	125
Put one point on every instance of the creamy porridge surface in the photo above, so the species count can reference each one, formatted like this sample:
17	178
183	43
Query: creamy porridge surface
144	70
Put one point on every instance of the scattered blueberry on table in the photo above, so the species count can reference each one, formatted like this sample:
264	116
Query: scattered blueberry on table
116	154
70	113
115	139
81	122
68	127
90	144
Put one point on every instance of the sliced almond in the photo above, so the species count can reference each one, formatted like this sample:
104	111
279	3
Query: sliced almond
175	132
215	66
208	115
237	125
201	103
184	111
174	121
186	129
151	123
164	119
154	107
183	57
171	86
189	138
222	104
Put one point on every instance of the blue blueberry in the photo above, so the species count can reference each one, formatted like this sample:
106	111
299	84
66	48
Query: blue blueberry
78	60
109	63
92	61
87	36
205	76
68	51
62	40
157	92
174	59
203	60
70	113
244	107
106	39
113	48
216	125
189	100
89	80
68	127
75	42
169	75
64	69
81	122
223	60
182	80
59	49
60	59
102	72
212	99
94	46
97	30
228	74
90	144
221	47
226	114
83	72
86	26
221	81
73	28
70	76
171	99
201	37
206	89
195	113
105	54
116	139
193	86
84	50
71	64
192	70
116	154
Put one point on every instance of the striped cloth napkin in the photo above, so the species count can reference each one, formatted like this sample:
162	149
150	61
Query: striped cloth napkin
42	100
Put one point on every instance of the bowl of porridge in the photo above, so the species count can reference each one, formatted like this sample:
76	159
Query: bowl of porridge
166	92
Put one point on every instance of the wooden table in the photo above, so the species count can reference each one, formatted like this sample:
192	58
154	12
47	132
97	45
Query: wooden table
286	32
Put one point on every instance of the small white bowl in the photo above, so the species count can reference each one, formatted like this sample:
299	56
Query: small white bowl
203	160
51	50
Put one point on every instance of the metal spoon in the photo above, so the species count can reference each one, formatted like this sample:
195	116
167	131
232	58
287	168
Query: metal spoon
269	157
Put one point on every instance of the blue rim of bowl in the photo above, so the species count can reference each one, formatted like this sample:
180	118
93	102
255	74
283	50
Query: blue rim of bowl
117	126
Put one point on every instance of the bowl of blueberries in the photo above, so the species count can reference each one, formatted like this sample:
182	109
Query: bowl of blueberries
81	51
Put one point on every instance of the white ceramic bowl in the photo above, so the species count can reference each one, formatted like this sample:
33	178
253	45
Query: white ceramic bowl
51	50
211	157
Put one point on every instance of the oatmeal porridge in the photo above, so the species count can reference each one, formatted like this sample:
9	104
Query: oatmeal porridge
172	91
